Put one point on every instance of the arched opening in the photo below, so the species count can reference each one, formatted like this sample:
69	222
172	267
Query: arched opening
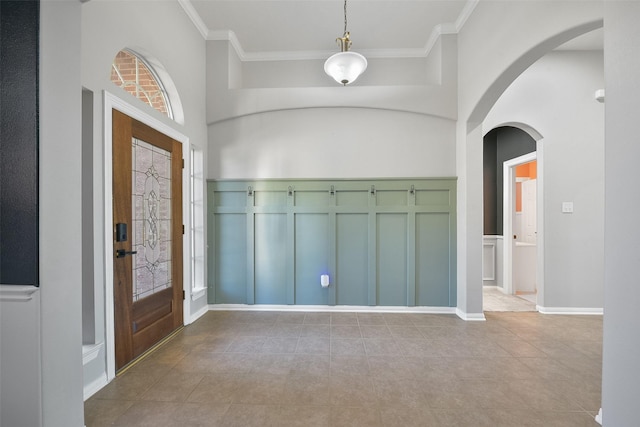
471	272
510	209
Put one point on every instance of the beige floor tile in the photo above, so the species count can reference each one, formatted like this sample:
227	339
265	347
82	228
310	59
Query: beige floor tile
375	331
216	389
303	416
99	412
173	387
306	390
199	414
279	345
148	414
370	319
251	416
317	318
357	391
347	347
276	364
391	369
345	331
355	417
344	319
129	386
313	345
346	366
264	389
311	364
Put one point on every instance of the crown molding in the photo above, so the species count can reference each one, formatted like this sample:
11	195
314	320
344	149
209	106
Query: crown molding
193	14
465	14
230	36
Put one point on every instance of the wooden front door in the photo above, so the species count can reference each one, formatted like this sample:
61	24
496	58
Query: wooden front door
147	236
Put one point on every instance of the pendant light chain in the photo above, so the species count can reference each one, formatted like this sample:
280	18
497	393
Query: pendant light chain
345	17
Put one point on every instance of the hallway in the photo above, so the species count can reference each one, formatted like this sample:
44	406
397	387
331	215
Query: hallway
363	369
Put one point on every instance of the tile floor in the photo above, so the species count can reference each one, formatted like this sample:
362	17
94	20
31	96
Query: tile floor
365	369
494	299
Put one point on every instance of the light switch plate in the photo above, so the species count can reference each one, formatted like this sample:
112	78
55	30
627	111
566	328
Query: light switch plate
567	207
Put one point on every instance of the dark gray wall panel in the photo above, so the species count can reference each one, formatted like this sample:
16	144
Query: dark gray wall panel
19	40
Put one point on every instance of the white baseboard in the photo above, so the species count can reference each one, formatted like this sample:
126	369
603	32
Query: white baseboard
569	310
332	308
198	314
599	417
471	317
95	386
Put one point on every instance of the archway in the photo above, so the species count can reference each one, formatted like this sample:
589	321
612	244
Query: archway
470	170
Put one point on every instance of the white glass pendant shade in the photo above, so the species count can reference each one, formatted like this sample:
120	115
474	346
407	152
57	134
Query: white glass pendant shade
345	67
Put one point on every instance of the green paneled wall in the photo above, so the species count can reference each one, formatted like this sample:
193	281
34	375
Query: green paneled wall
388	242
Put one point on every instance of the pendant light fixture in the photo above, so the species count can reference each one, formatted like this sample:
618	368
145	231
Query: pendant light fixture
345	66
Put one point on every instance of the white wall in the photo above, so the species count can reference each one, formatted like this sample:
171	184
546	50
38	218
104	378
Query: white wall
498	42
332	143
621	376
555	96
229	96
60	214
167	38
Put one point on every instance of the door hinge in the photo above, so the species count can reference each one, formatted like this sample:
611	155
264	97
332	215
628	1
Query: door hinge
182	228
183	295
182	163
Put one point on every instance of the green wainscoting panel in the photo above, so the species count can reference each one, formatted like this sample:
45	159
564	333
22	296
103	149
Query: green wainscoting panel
352	243
392	259
270	258
389	242
230	247
311	258
433	261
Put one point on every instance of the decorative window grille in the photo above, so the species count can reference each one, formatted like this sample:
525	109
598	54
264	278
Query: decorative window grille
132	73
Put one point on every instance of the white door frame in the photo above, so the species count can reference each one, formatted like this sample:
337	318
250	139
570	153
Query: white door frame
508	206
113	102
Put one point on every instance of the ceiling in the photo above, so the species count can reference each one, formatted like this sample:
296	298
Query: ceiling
308	28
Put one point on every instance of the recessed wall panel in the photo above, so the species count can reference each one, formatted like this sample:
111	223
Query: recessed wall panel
392	197
312	198
230	264
352	198
352	243
392	259
270	258
311	258
270	198
433	264
433	198
230	198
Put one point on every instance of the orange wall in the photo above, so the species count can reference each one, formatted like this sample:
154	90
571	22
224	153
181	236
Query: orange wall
525	170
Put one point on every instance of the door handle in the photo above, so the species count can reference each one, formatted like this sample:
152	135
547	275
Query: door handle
121	253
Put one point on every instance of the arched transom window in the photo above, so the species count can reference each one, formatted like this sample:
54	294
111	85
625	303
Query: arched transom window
132	73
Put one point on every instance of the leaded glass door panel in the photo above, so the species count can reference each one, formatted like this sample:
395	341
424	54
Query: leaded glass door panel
147	215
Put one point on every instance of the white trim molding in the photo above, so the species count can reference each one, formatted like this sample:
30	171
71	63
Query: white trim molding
470	317
599	417
332	308
95	386
570	310
17	292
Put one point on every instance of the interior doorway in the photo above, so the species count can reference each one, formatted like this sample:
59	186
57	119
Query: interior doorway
521	227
